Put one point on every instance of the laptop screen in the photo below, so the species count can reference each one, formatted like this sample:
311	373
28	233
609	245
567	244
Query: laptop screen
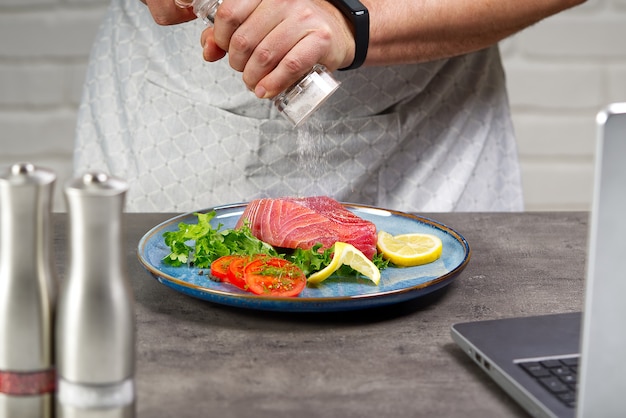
604	330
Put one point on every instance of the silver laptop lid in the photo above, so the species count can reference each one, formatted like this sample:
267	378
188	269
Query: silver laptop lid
601	375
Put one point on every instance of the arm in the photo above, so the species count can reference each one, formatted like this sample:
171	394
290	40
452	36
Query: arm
409	31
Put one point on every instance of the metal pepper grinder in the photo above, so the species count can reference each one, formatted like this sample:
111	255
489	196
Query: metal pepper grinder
27	293
95	342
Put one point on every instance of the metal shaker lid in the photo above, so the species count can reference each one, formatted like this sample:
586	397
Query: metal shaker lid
96	184
22	174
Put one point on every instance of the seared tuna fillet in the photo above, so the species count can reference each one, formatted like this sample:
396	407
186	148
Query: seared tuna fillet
303	222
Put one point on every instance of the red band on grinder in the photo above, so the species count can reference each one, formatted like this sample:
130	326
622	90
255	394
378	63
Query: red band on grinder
27	383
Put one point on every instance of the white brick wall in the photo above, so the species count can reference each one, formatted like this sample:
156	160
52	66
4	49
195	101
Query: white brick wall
560	73
44	47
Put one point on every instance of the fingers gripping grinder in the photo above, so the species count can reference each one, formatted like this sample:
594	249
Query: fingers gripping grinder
299	101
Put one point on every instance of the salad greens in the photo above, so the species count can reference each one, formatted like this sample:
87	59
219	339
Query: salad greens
200	244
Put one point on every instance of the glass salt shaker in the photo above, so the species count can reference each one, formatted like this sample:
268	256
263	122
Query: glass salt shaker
297	102
27	292
95	341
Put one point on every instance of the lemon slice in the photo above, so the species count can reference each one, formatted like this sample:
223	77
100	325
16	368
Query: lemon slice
347	254
409	249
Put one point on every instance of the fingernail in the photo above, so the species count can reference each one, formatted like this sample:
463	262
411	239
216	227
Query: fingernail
204	51
260	92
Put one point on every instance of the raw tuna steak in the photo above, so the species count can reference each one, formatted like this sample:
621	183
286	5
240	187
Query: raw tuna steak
303	222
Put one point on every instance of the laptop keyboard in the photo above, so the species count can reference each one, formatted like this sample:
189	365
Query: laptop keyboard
558	376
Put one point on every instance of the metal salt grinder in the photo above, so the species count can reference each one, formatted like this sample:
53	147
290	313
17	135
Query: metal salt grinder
95	342
27	292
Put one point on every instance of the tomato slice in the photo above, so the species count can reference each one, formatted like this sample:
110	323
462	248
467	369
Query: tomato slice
219	267
274	276
235	272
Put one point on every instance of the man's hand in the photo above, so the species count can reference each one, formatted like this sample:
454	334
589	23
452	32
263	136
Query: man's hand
275	42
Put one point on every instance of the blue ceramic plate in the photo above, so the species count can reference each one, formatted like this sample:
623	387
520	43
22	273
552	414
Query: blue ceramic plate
396	284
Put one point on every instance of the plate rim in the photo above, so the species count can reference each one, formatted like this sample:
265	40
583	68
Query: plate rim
241	297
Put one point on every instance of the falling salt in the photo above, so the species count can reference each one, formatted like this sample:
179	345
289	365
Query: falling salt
316	173
310	154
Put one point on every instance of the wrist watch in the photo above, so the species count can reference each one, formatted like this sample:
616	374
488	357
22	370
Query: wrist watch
358	15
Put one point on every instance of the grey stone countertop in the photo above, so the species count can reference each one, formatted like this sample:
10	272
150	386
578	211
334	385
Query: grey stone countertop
200	359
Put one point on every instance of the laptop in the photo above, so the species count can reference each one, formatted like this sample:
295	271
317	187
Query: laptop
572	364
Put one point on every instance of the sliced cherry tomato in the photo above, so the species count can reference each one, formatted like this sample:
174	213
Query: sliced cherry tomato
235	271
274	276
219	268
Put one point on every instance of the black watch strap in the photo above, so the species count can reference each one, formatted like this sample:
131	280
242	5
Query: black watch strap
358	15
